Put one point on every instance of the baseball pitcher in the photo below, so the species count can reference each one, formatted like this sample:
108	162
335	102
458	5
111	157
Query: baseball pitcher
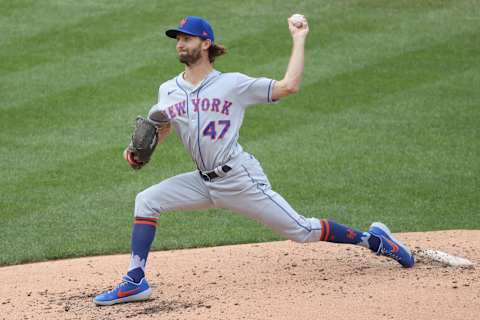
205	107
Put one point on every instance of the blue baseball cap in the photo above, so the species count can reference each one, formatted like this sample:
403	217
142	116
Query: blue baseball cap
194	26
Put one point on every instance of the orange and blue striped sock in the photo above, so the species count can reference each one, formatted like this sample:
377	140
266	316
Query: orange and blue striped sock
339	233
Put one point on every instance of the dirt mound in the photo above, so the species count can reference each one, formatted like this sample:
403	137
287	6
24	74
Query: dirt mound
278	280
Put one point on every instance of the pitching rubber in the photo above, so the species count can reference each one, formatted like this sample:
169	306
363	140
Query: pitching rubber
429	255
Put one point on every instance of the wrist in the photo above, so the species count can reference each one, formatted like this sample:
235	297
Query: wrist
299	40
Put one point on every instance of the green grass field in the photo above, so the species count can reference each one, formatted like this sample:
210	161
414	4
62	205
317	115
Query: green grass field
386	126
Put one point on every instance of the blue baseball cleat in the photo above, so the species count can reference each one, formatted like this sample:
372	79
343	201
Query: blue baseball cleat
126	291
391	247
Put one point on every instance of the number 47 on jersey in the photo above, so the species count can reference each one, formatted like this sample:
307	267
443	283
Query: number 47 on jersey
213	127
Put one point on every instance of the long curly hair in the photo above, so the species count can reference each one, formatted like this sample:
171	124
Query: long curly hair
216	50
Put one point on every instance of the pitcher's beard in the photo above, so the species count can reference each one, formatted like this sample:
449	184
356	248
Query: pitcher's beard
190	58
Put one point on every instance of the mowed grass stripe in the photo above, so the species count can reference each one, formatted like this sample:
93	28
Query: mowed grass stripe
317	51
75	45
388	159
361	86
83	69
332	51
60	55
457	111
21	20
25	22
92	173
109	58
70	126
87	34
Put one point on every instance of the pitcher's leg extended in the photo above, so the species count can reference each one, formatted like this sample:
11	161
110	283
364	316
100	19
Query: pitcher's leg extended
274	211
259	202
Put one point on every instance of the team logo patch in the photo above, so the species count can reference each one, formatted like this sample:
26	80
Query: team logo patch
351	234
183	22
205	33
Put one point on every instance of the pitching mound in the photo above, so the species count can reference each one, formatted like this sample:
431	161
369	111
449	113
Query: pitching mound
279	280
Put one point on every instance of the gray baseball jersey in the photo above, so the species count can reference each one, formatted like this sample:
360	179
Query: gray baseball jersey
207	118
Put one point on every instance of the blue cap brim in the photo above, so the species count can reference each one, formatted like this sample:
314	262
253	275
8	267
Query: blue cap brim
172	33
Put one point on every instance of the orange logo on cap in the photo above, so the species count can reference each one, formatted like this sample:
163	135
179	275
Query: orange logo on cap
183	22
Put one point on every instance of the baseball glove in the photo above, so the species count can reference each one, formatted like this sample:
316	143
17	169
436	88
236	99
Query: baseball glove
144	142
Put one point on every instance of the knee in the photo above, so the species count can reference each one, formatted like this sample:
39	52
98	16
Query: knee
299	238
295	235
302	235
143	207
